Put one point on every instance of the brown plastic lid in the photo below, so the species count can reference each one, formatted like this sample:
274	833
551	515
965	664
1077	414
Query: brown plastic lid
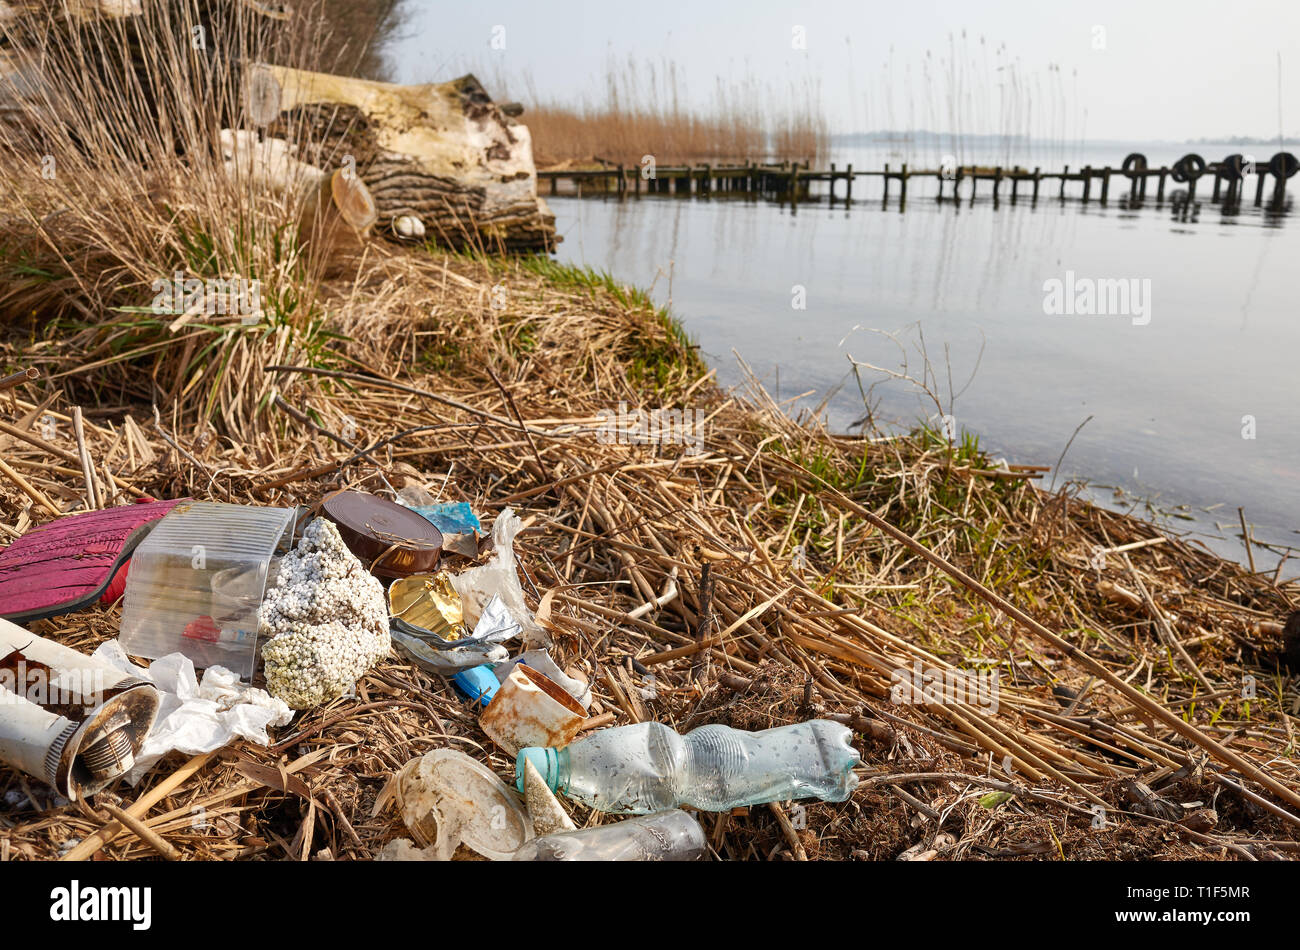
393	540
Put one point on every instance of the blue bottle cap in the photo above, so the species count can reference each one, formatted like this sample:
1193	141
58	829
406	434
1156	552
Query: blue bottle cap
479	683
547	762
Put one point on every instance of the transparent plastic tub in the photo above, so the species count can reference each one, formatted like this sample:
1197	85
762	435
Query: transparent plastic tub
195	585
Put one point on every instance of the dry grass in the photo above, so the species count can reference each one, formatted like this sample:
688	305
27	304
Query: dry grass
112	179
812	609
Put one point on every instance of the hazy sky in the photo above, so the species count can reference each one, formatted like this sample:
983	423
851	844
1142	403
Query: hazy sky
1145	70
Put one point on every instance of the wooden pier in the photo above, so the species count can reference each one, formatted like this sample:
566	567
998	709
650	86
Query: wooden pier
793	181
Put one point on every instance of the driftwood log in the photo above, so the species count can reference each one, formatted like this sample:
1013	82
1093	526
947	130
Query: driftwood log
443	153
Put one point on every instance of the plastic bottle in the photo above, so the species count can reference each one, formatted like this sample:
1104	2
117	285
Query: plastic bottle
648	767
665	836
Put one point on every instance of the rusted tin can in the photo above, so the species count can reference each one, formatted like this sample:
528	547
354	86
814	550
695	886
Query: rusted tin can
393	541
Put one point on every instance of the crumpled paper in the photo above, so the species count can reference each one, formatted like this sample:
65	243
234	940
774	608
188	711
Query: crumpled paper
197	717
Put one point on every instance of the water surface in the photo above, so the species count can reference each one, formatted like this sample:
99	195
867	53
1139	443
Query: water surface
1169	392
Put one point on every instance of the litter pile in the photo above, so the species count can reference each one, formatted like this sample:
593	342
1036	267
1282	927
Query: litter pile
323	624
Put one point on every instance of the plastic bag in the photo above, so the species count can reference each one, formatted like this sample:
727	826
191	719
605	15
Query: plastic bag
499	577
459	525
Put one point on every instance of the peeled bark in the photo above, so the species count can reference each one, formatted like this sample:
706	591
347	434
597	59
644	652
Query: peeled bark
443	153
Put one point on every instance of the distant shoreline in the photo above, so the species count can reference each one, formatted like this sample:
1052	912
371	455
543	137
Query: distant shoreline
926	135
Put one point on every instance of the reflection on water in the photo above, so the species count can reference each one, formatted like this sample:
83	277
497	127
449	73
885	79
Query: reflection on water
1192	404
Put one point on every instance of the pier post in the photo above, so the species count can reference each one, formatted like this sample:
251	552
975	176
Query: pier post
1214	196
848	185
1259	185
885	199
1087	182
1015	183
974	183
997	182
1105	184
1065	174
1160	188
1037	178
902	187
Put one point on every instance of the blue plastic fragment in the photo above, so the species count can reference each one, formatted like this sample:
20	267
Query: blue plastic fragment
453	517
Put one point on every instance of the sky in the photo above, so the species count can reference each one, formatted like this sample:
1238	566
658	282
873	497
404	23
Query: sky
1138	71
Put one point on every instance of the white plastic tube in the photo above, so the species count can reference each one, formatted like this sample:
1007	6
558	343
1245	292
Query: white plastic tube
67	718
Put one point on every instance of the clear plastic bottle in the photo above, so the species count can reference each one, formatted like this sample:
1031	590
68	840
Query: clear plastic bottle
648	767
665	836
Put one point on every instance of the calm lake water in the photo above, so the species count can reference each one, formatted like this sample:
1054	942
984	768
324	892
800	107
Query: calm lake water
1168	388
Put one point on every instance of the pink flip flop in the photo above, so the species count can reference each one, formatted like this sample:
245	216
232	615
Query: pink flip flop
69	563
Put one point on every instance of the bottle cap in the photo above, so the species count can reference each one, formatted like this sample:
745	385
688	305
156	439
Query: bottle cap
479	683
547	762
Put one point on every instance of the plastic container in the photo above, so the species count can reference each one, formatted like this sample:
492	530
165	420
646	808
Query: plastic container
447	800
196	583
666	836
649	767
530	710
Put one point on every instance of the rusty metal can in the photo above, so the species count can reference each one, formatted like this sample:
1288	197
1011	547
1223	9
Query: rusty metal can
393	541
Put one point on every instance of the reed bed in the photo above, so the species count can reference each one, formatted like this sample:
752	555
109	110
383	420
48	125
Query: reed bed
646	108
114	177
809	607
